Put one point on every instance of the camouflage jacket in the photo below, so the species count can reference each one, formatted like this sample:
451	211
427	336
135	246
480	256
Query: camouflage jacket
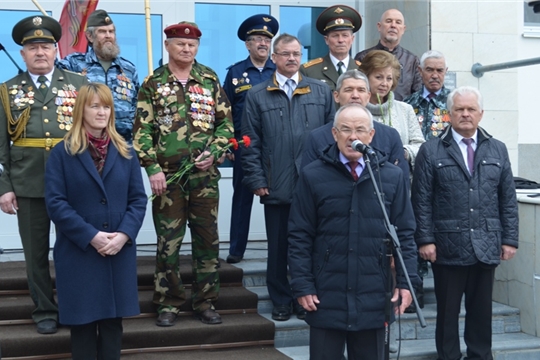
432	115
174	123
121	78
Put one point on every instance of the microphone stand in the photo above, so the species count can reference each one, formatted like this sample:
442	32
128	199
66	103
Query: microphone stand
390	244
9	56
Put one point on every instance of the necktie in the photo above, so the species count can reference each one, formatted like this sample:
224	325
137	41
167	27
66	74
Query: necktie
353	165
339	69
42	80
470	154
431	95
289	87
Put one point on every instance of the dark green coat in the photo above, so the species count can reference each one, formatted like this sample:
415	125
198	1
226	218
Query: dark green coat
323	69
25	166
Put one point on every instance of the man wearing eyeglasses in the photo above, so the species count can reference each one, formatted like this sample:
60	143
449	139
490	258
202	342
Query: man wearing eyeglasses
278	114
337	24
257	31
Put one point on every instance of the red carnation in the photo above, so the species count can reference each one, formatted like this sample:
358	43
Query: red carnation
246	140
234	143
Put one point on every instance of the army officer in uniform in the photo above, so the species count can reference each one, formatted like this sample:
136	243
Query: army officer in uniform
35	113
337	24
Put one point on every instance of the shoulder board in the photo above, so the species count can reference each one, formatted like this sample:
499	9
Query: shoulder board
210	76
238	62
358	63
72	72
313	62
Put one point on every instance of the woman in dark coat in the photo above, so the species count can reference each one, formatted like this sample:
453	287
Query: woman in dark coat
95	196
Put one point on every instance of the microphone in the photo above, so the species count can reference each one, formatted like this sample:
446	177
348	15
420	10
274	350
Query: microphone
363	148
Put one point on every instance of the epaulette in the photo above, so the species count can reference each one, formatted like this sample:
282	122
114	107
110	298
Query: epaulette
210	76
313	62
238	62
358	63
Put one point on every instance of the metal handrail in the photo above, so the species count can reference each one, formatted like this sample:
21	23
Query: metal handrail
478	69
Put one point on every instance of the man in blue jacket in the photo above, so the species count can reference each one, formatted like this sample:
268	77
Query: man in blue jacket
277	116
336	243
466	210
257	31
102	63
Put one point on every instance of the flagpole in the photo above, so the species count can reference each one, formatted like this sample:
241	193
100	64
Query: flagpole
40	8
148	36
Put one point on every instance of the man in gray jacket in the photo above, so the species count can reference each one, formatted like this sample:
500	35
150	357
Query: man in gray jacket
466	212
278	114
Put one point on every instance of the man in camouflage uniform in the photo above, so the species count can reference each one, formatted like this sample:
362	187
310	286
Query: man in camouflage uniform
429	103
35	113
102	64
183	116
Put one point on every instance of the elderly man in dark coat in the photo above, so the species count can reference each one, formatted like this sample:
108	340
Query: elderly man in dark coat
336	243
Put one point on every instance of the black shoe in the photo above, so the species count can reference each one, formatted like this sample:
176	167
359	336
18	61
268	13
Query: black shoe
47	326
233	259
300	313
209	316
281	312
166	319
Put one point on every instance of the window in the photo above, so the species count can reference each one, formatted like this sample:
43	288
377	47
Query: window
300	22
220	46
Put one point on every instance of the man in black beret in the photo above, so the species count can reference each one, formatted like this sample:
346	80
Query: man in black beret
337	24
35	114
102	63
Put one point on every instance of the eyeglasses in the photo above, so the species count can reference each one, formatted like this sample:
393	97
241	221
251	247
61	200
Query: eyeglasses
348	132
260	39
288	54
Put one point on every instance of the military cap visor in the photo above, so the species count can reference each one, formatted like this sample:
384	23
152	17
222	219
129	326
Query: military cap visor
37	29
261	24
99	18
338	17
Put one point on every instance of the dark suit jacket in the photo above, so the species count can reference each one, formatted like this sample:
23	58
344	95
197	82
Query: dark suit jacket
324	70
25	166
386	140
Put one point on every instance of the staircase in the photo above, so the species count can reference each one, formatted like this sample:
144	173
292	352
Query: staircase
244	334
292	337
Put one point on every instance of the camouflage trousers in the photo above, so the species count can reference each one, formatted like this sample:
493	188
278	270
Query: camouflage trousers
194	201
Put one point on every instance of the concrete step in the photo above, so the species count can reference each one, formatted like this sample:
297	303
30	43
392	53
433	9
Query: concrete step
509	346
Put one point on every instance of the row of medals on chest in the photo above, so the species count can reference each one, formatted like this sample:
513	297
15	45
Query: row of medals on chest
65	100
201	105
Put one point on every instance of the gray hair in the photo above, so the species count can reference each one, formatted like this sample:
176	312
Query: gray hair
431	54
464	90
351	105
352	74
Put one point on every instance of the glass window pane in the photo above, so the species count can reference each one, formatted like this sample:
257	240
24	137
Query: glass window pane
300	22
8	19
220	46
131	36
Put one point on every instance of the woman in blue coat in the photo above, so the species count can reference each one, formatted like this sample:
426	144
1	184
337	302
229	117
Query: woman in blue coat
95	196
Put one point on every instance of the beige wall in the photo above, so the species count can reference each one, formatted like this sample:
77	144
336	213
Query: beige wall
485	32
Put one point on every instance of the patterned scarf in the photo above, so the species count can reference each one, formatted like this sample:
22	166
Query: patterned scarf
98	150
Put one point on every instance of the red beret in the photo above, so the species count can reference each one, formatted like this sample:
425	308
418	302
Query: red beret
184	29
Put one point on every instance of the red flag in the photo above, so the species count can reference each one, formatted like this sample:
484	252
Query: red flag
73	20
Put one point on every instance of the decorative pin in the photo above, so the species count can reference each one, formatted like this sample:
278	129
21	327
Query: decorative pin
338	10
186	31
37	21
38	33
340	21
265	19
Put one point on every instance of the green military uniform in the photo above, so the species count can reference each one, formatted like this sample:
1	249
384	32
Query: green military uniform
34	122
175	124
333	18
323	69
